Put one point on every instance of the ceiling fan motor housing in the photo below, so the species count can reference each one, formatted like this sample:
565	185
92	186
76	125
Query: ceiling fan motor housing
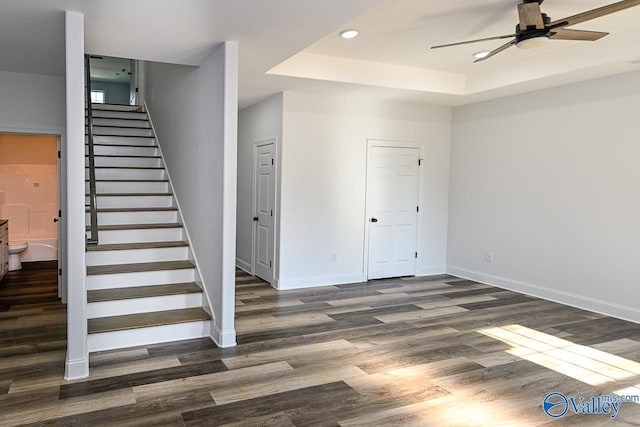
532	36
545	18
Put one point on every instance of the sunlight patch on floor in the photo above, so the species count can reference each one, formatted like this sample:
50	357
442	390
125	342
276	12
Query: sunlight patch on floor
586	364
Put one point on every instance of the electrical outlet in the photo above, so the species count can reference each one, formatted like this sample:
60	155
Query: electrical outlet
488	256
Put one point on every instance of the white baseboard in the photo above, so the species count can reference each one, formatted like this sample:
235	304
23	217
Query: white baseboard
430	270
312	282
224	339
243	265
76	369
585	303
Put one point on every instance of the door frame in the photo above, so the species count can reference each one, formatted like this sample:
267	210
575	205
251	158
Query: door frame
276	205
62	198
371	143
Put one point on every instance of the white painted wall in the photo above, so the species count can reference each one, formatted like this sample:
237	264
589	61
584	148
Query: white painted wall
194	111
77	363
256	123
548	182
31	102
323	183
114	93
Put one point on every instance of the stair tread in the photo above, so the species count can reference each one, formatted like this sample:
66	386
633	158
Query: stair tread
128	180
130	138
124	119
122	145
139	267
137	245
136	226
134	156
101	117
158	209
120	107
123	136
127	167
115	126
145	320
129	194
142	292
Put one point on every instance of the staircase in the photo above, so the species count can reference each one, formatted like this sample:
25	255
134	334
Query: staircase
143	287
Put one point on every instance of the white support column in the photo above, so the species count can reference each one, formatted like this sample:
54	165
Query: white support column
77	364
224	329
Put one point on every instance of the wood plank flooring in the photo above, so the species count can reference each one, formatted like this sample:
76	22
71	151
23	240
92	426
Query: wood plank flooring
435	351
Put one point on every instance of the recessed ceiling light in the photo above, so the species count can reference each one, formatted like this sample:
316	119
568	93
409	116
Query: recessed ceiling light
480	55
349	34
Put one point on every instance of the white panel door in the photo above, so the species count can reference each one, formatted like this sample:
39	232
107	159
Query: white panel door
392	192
264	202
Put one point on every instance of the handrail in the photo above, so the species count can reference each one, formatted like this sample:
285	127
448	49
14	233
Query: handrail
93	238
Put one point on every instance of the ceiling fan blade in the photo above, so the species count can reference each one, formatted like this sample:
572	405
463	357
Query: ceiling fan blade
593	14
530	16
565	34
497	51
508	36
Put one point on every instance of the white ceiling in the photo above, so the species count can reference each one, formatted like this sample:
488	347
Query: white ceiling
110	69
297	43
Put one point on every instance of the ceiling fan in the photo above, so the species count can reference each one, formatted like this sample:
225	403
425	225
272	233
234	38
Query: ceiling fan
536	27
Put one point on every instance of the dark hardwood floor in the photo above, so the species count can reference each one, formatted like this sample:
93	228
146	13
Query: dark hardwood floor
435	351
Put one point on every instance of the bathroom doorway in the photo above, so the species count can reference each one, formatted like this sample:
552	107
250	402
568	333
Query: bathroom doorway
30	198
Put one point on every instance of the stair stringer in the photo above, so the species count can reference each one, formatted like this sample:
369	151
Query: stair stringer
207	306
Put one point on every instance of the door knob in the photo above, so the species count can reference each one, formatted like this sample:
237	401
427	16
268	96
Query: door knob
255	218
56	219
374	219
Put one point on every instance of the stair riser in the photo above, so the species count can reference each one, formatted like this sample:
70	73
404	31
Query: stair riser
140	236
106	130
122	140
143	305
118	218
118	150
130	187
97	121
133	201
127	161
112	107
146	278
145	336
127	174
118	115
137	255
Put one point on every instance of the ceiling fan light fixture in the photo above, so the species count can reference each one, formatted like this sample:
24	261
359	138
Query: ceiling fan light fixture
532	42
482	54
349	34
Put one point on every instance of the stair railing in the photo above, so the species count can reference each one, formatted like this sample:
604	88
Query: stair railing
93	237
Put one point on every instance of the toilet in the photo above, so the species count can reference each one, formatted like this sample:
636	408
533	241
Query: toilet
15	249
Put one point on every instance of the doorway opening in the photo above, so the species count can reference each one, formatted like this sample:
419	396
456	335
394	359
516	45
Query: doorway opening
114	80
30	201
